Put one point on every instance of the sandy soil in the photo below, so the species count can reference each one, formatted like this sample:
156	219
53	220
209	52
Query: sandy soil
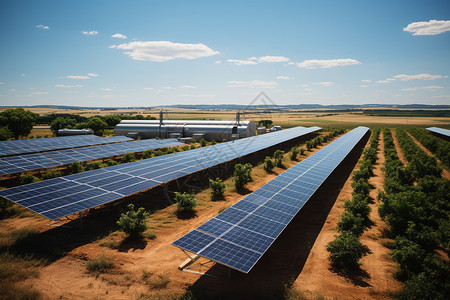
400	153
376	281
445	173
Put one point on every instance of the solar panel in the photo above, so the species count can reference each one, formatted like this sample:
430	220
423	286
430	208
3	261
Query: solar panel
59	197
438	130
239	236
15	164
14	147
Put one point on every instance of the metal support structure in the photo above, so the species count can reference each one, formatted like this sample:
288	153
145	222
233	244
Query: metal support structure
193	261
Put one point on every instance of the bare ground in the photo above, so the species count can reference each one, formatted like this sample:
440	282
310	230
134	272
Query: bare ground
400	153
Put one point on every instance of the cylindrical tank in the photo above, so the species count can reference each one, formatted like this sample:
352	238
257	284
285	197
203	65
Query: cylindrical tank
65	131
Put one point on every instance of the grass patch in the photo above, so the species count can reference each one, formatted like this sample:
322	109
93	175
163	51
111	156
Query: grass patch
151	235
100	264
158	281
113	244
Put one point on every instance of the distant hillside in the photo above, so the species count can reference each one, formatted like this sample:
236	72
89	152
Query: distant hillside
257	107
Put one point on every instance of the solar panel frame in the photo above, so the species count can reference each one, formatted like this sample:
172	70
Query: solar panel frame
441	131
15	147
153	171
279	209
30	162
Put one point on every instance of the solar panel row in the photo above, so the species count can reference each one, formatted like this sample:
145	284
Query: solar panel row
240	235
59	197
438	130
15	164
53	143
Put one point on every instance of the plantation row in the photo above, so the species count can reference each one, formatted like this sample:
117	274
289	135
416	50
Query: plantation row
346	250
439	147
415	205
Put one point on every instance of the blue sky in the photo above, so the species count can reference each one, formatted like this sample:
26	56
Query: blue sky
150	53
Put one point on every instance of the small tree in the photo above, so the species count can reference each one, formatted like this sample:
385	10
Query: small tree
19	121
133	222
278	156
51	174
242	175
294	153
147	154
352	223
302	151
5	133
28	178
217	188
97	125
345	251
203	142
75	167
268	164
128	157
185	202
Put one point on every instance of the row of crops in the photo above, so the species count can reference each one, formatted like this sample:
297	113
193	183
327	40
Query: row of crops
416	205
439	147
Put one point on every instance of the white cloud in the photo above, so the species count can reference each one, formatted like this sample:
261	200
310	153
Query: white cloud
409	89
119	36
188	87
431	27
432	87
167	87
404	77
42	27
253	84
39	93
149	88
218	62
160	51
77	77
327	63
271	59
442	96
2	83
284	78
23	75
67	86
308	90
92	74
366	80
383	81
324	83
92	32
239	62
363	86
106	89
197	96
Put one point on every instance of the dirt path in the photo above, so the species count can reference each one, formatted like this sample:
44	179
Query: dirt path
400	153
445	172
317	278
67	277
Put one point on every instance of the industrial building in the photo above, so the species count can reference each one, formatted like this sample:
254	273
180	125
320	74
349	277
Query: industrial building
187	129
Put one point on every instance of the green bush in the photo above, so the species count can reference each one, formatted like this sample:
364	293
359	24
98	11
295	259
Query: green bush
294	153
76	167
351	223
268	164
111	163
95	165
28	178
345	251
185	202
192	147
51	174
358	206
361	187
158	153
242	175
147	154
128	157
217	188
213	142
203	142
302	151
185	148
278	156
133	222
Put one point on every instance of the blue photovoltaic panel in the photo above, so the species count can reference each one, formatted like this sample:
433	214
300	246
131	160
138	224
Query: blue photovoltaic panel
441	131
15	164
67	195
240	235
14	147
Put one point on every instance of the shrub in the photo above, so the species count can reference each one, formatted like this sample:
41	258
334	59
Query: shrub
361	187
100	264
51	174
147	154
278	156
302	151
128	157
95	165
75	167
185	148
185	202
242	175
28	178
345	251
358	206
217	188
158	153
352	223
294	153
203	142
111	163
268	164
192	147
133	222
213	142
